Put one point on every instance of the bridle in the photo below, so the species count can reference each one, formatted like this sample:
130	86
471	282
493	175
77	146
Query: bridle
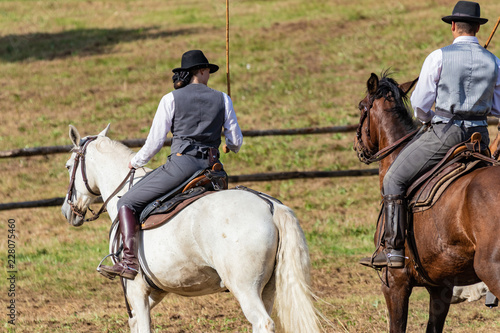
366	155
80	158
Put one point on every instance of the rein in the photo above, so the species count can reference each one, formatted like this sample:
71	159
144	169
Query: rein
80	158
128	178
364	154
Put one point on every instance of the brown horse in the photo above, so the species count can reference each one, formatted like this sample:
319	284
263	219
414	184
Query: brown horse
456	240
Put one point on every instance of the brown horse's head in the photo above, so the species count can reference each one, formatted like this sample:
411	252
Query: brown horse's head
384	116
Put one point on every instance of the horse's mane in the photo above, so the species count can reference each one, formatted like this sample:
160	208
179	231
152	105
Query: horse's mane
106	145
389	89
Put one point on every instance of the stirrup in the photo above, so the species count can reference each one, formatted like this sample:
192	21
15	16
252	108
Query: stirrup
368	261
104	273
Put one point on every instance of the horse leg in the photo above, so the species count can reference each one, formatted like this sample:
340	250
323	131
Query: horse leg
268	294
156	297
138	297
397	295
440	300
254	309
487	268
247	288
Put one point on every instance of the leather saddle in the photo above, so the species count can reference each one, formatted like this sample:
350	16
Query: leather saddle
201	183
460	160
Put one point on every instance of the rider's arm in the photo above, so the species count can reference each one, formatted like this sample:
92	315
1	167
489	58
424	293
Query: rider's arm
424	95
161	125
232	131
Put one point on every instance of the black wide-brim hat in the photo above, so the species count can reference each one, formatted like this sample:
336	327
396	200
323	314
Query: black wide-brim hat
466	11
195	59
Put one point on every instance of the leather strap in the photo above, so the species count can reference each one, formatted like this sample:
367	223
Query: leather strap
129	177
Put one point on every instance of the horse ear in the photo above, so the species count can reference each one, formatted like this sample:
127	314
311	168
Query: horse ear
74	136
104	131
406	87
372	84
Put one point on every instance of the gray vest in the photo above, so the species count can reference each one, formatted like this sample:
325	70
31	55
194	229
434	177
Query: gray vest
198	118
467	81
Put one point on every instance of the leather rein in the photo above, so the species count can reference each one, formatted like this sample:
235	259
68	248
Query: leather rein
80	158
364	154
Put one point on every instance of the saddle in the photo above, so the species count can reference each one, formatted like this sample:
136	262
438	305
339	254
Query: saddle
460	160
201	183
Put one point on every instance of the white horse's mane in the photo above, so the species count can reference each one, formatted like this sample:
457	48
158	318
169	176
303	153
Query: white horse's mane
106	145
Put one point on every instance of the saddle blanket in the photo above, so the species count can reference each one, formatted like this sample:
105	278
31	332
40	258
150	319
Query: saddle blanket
177	204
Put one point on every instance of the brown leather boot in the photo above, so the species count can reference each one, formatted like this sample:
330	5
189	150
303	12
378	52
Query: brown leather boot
128	267
395	223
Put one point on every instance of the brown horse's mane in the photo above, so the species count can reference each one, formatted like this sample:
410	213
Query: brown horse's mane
389	89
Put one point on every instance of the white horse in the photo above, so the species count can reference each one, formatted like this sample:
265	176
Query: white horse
230	240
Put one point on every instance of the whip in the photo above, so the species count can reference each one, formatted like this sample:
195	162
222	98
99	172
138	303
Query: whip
227	49
492	33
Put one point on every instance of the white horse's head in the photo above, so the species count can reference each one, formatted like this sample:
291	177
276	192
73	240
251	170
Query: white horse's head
81	192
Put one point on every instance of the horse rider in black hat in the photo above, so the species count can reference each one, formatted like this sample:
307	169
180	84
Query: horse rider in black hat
195	114
463	81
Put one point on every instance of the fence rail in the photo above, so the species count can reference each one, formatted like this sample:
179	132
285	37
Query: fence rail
135	143
257	177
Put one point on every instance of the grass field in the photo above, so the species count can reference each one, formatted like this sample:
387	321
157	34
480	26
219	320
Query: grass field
294	63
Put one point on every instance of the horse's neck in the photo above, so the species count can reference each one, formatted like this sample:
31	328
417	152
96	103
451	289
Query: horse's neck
108	170
388	136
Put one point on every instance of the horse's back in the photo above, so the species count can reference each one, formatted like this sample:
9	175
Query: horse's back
219	236
481	217
473	199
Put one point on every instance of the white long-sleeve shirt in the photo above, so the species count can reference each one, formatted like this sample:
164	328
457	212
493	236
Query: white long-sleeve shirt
425	92
162	124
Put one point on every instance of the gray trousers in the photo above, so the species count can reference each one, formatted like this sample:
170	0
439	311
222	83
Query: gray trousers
160	181
425	151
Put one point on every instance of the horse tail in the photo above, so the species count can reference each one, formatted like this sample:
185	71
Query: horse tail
294	299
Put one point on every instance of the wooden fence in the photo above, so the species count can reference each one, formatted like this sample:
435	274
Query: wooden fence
134	143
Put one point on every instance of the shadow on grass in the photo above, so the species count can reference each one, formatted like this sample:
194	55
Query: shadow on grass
79	42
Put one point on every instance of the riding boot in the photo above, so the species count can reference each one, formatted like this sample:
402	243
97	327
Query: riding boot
394	235
129	265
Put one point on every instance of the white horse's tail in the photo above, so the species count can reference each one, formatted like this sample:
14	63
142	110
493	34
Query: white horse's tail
294	299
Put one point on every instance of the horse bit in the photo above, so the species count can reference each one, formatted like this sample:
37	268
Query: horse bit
80	157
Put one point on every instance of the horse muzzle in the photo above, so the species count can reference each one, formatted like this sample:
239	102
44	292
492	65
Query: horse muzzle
73	215
360	152
364	154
